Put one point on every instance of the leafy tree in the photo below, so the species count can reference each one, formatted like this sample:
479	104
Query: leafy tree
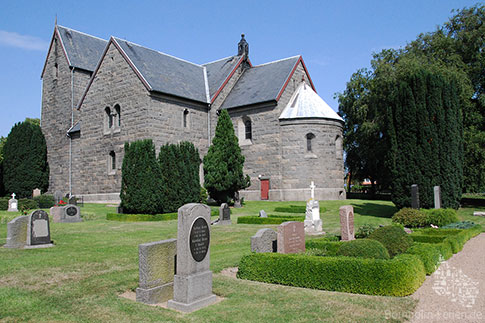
2	187
141	179
223	164
179	165
25	160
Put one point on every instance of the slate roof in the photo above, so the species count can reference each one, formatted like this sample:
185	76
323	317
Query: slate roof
75	128
218	71
305	103
260	83
83	51
165	73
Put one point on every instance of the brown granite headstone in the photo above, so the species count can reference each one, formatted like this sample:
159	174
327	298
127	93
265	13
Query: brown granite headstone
347	222
291	237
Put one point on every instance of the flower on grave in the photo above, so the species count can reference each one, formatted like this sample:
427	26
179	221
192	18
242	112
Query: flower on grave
61	202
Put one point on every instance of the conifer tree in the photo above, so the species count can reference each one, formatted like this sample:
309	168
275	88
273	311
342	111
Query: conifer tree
25	160
141	181
223	164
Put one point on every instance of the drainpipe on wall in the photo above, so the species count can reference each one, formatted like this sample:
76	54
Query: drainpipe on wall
70	138
209	125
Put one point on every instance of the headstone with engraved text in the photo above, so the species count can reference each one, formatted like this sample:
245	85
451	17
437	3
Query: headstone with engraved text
291	237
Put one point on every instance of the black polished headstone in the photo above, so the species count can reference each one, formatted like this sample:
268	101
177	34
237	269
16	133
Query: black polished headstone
40	231
71	211
199	239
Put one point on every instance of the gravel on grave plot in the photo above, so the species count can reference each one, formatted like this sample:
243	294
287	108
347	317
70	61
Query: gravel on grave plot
455	292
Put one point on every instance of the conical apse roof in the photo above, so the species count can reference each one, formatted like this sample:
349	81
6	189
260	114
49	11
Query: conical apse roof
305	103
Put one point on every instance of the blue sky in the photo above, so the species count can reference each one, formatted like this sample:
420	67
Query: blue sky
335	37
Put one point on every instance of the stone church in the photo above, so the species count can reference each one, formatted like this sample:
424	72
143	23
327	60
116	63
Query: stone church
98	94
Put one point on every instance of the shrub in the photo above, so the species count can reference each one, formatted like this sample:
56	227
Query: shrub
329	248
363	248
410	218
4	203
292	209
440	217
269	220
315	252
364	231
141	217
141	179
394	238
459	225
28	204
400	276
428	253
427	238
45	201
203	195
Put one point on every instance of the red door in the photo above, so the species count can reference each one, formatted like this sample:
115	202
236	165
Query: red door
264	189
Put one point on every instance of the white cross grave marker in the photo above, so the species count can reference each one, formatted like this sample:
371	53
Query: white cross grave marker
13	196
312	187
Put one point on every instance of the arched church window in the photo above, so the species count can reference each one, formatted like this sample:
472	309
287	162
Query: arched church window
248	129
112	159
109	117
118	115
309	139
338	147
185	118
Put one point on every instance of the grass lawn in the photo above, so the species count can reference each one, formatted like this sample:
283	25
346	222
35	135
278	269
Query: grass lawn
79	280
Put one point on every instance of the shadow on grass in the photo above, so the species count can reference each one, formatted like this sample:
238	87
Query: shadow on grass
374	209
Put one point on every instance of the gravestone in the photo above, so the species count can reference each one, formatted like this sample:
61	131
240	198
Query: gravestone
57	197
192	287
73	200
262	214
39	231
156	262
237	200
415	196
347	222
67	213
437	197
313	223
13	204
291	237
224	215
265	240
36	192
478	213
17	232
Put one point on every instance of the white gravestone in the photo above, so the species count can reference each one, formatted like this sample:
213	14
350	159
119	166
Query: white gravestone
313	223
13	204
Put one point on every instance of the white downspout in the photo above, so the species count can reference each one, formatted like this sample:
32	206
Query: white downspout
70	138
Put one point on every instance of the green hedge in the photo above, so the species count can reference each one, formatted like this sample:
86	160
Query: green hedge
271	219
428	253
4	203
141	217
400	276
394	238
45	201
28	204
426	238
440	217
363	248
424	218
329	248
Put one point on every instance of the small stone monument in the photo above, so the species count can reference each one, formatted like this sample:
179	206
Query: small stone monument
13	204
17	232
57	197
313	223
67	213
291	237
265	240
437	197
262	214
237	200
415	196
478	213
192	287
29	231
347	222
156	262
224	215
36	192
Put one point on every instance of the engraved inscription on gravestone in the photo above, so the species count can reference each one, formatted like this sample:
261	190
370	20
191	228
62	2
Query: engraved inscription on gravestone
71	211
39	228
199	239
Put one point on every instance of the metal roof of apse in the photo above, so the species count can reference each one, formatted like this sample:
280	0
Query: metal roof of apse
165	73
218	71
83	51
305	103
75	128
260	83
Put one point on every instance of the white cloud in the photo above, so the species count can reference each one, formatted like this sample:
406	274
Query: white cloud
13	39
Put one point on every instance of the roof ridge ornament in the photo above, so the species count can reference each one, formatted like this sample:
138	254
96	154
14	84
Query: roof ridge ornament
243	50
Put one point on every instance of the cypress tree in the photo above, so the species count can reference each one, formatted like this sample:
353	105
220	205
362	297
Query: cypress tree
25	160
141	181
223	164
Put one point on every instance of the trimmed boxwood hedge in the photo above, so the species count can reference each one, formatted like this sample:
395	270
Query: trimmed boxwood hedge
271	219
141	217
427	239
400	276
428	253
394	238
330	248
363	248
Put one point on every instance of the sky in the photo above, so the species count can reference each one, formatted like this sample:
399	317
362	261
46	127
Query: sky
335	38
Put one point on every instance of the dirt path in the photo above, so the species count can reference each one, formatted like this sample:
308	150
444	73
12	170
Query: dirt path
456	290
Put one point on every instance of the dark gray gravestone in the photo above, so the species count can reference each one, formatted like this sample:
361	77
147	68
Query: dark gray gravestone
415	196
265	240
67	213
39	232
17	232
192	287
224	215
